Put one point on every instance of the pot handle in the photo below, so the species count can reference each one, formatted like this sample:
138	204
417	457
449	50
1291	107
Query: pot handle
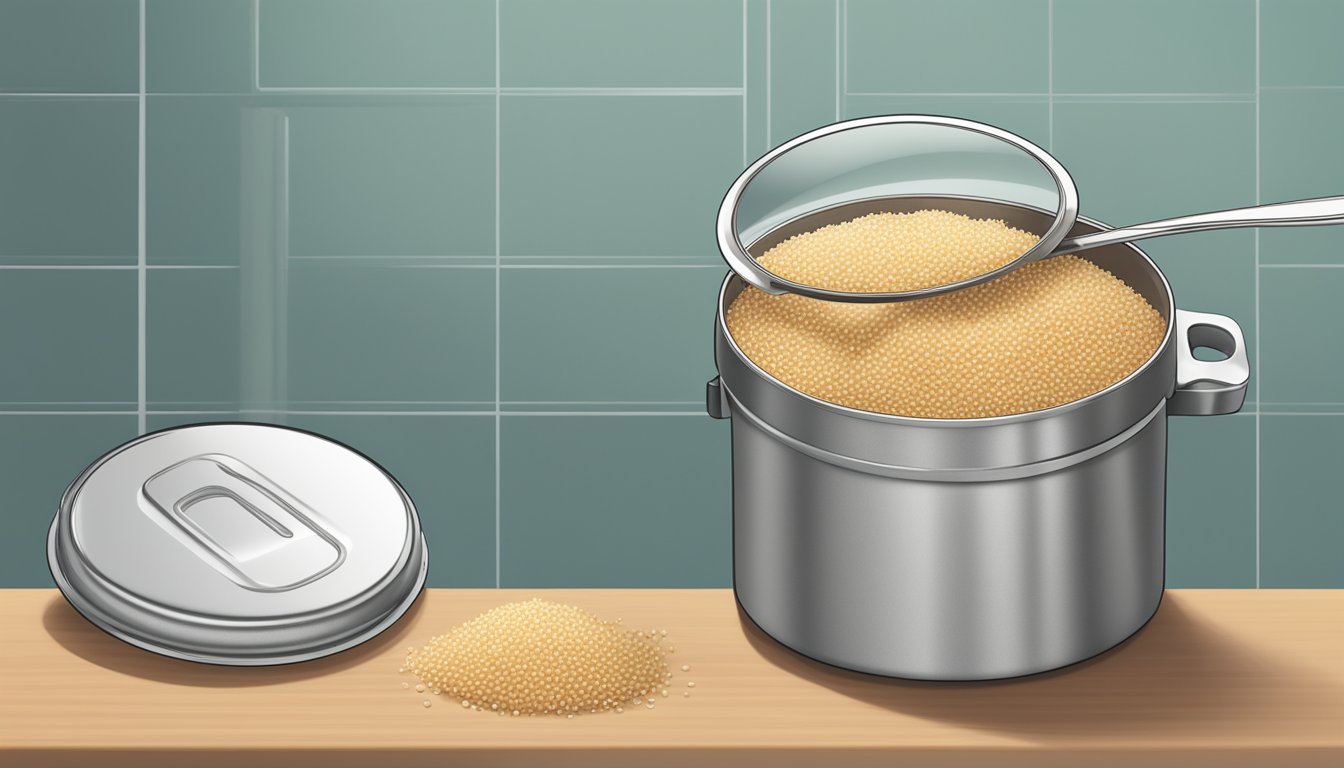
716	399
1203	387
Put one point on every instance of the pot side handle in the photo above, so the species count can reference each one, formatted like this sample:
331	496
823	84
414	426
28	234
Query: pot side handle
716	399
1203	387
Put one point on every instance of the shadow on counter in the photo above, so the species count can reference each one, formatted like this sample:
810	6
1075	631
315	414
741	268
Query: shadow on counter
1178	675
78	636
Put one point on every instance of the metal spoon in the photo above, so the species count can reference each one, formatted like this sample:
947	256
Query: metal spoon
1298	213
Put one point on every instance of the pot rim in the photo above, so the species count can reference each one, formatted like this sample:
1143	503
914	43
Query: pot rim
983	421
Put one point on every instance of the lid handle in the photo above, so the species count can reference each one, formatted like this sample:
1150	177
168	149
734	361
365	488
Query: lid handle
242	524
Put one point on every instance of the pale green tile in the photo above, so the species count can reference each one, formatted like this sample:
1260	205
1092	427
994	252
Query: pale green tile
194	177
1302	245
1299	42
447	465
1302	528
1300	334
1137	162
192	338
413	178
198	46
69	46
804	67
1026	116
1154	46
387	44
620	334
613	43
365	175
954	46
1300	151
374	334
615	501
1301	156
67	336
68	176
1211	502
39	457
1213	272
616	175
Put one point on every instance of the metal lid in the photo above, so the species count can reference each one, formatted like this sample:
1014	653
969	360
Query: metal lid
242	544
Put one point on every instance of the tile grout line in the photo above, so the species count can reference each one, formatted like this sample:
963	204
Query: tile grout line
596	409
433	414
512	90
745	78
837	61
74	413
654	264
216	407
608	266
481	414
1176	97
632	402
1050	75
1303	87
141	395
256	46
283	243
361	90
302	412
520	90
1259	351
843	97
70	95
498	331
70	266
515	90
769	76
127	406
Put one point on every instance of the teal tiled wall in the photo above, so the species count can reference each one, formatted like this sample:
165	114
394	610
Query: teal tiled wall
474	239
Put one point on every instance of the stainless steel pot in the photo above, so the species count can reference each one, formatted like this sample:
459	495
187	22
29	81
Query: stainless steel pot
963	549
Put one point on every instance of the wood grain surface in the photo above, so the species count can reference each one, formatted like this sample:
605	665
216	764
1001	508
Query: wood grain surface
1217	678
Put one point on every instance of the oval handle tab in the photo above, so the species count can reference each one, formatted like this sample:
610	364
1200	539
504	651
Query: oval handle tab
242	523
1204	387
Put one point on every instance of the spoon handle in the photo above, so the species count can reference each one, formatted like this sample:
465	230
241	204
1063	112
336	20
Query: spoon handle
1298	213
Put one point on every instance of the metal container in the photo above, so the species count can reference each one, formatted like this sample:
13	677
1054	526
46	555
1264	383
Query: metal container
241	544
962	549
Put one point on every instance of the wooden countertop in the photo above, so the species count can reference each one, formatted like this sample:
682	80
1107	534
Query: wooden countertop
1217	678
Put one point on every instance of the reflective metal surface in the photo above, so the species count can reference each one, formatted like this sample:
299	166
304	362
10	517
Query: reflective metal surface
886	157
1298	213
238	544
962	549
948	580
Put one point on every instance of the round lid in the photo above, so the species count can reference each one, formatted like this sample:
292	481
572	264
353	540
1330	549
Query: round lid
238	544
